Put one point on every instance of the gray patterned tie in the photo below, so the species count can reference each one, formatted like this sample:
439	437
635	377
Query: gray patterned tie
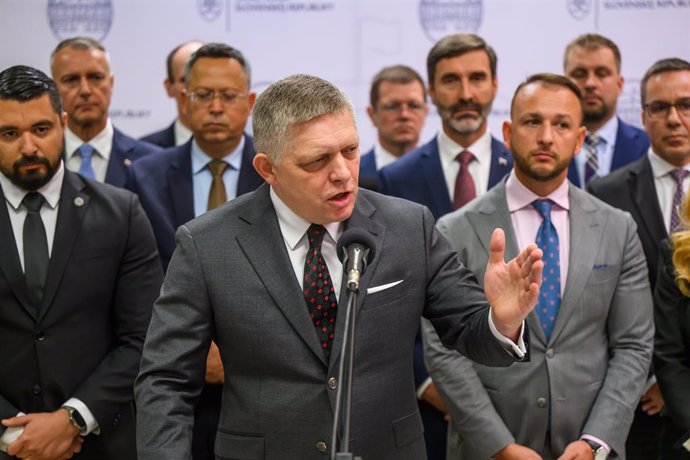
678	175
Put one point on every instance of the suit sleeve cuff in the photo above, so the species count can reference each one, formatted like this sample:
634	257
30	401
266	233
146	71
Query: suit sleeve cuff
10	435
516	349
422	388
598	441
91	423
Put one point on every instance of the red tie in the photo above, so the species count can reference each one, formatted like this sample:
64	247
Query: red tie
464	184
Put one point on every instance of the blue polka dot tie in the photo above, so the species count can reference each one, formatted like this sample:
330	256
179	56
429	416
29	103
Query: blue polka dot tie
550	292
318	289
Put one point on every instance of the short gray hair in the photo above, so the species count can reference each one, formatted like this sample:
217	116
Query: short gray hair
289	102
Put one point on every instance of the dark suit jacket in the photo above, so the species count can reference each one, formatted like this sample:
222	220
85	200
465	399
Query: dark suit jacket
103	277
632	189
631	144
164	184
124	151
368	174
672	340
231	280
418	176
164	138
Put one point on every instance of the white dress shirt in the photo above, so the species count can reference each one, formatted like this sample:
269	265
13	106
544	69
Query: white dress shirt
102	143
382	156
605	148
479	169
182	133
665	184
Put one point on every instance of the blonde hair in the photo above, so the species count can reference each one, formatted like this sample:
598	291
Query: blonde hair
681	249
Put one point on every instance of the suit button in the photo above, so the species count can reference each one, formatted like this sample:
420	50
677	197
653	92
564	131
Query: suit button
332	383
321	446
40	337
36	389
550	353
541	402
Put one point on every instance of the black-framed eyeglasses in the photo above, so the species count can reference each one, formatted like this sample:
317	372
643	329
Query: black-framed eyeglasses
661	109
203	97
396	107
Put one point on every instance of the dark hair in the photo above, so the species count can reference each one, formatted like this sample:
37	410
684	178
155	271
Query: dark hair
549	79
395	74
457	45
218	51
593	42
23	83
661	66
171	56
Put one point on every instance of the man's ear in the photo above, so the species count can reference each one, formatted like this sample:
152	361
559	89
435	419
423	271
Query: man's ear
264	167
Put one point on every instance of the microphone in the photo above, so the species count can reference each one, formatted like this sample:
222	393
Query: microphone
355	248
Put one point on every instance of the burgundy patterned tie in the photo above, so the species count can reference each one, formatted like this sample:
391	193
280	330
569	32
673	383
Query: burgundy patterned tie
318	289
464	184
678	175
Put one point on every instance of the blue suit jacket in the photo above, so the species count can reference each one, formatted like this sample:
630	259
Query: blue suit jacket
368	174
123	152
418	176
631	144
164	138
164	184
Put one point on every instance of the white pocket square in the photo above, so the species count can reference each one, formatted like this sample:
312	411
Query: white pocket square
371	290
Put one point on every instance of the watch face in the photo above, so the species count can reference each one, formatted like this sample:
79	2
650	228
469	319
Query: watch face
79	419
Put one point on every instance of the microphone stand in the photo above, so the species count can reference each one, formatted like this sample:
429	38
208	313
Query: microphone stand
344	393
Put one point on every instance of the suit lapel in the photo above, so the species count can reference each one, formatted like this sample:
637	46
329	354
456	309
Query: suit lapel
10	266
264	246
249	179
116	173
641	183
585	226
361	218
73	206
501	163
435	180
180	185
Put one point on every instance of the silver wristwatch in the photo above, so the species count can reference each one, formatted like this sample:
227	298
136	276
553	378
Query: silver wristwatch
75	418
598	450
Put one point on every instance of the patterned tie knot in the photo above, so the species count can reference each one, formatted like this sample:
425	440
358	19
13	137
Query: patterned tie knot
315	234
33	201
217	167
543	207
679	175
86	152
593	139
464	158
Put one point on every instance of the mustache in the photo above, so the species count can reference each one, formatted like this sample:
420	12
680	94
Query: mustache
462	105
32	160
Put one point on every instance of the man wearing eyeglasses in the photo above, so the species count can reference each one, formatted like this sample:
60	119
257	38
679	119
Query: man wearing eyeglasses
178	132
652	187
398	110
95	149
215	166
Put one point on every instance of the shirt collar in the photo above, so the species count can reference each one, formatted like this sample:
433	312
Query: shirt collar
608	132
449	149
293	227
102	142
519	197
200	159
661	167
182	133
50	191
383	157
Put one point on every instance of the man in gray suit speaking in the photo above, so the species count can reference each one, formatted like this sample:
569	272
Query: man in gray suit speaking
238	276
591	332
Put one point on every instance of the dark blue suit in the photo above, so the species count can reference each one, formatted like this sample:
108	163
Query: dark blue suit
418	176
164	138
124	152
631	144
368	174
164	184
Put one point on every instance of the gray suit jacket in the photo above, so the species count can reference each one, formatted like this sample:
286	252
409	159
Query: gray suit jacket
230	280
590	374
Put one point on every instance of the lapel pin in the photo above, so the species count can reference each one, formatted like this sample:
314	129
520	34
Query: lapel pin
79	201
502	161
127	162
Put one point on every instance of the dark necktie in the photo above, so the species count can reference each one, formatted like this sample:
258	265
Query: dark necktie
318	289
35	247
592	160
86	168
550	292
678	175
464	184
217	194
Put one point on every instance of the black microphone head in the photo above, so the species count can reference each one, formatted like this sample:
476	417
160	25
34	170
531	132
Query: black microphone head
355	236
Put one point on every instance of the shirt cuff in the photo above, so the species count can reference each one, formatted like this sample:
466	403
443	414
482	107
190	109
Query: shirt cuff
598	441
10	435
91	423
422	388
651	381
517	349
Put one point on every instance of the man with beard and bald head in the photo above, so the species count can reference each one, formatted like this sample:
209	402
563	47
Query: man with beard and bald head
180	130
593	63
463	161
591	332
79	272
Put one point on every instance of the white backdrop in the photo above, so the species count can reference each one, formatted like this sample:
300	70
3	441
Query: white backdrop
344	41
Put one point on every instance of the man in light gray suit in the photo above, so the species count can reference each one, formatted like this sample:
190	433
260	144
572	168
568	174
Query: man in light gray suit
238	277
591	335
